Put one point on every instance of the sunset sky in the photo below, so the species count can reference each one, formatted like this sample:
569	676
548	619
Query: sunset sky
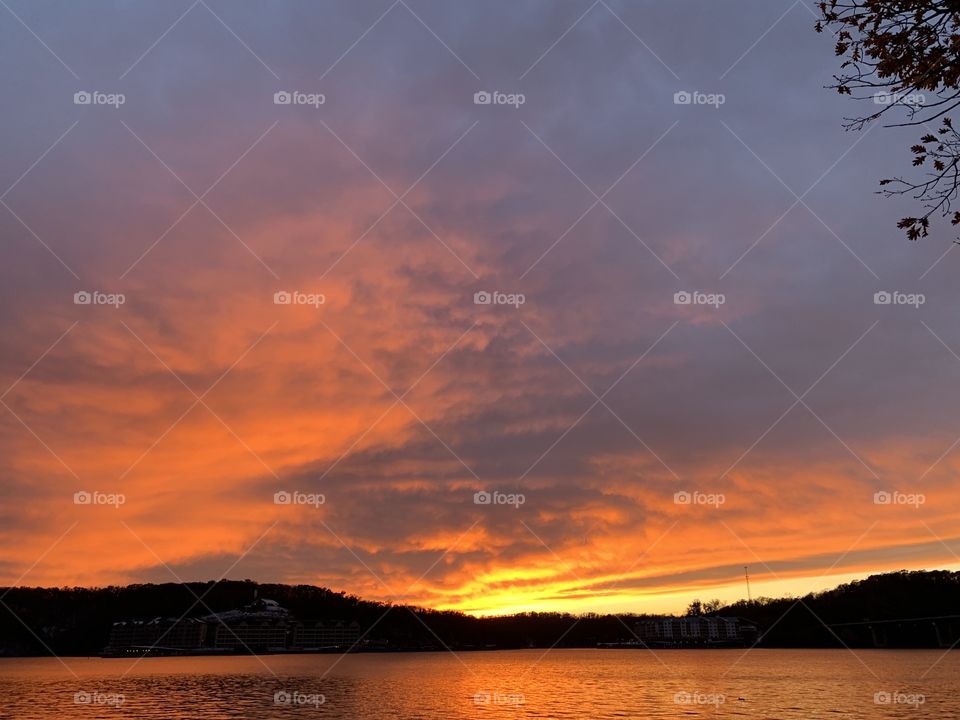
399	397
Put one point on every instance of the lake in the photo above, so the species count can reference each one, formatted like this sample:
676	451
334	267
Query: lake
508	684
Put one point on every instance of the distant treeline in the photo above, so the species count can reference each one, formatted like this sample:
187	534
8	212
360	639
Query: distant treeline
77	621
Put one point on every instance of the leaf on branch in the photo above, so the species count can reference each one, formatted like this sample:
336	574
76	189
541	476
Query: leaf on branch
916	227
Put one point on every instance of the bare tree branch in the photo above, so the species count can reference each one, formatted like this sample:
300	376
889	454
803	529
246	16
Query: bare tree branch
904	56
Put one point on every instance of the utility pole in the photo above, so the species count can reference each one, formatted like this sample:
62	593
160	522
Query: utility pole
746	574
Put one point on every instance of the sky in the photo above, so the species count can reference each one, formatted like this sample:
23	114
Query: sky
281	364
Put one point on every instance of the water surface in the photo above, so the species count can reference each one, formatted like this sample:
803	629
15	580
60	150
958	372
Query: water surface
509	684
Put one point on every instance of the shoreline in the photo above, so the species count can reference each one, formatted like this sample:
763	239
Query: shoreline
442	651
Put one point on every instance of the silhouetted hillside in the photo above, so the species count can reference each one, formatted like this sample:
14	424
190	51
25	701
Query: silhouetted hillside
77	621
810	621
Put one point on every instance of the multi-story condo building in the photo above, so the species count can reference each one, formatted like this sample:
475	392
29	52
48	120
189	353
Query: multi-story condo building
696	630
157	634
321	634
262	626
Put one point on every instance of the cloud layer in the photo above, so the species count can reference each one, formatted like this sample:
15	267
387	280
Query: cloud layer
781	412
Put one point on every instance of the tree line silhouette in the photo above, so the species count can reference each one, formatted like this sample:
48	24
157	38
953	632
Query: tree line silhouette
77	621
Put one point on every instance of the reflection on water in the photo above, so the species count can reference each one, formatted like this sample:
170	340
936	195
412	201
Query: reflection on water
512	684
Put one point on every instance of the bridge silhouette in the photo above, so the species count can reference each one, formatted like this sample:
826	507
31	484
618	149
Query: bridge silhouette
933	631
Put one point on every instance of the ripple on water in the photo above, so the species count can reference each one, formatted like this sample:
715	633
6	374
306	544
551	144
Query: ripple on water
787	684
